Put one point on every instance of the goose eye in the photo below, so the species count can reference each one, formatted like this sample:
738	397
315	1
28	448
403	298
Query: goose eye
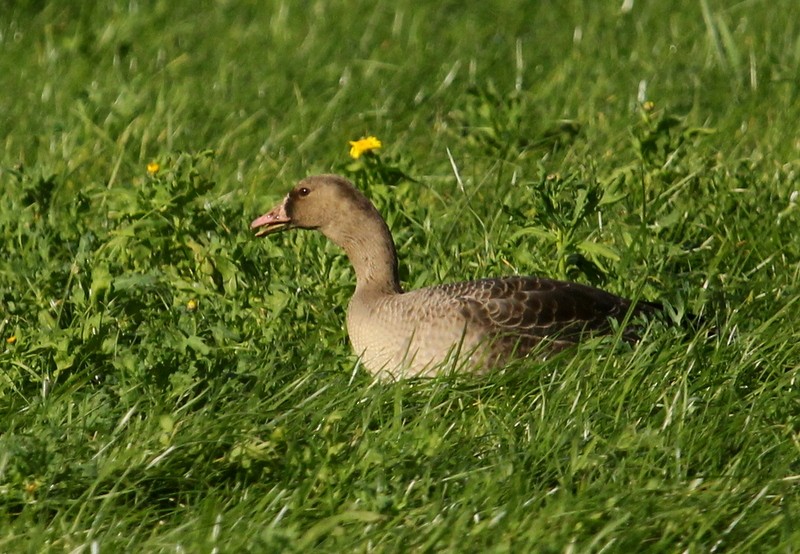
304	191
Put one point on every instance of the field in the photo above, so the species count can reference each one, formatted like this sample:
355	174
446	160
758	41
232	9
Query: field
169	383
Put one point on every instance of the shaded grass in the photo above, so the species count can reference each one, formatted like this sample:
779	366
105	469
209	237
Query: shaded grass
172	383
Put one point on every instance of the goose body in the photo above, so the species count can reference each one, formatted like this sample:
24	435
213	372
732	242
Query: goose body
479	325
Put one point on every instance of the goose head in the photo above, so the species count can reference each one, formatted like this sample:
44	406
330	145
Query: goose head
334	206
322	202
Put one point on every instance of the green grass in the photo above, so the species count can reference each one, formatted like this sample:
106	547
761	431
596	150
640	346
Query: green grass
168	383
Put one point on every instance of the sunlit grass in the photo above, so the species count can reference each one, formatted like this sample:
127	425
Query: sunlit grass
170	383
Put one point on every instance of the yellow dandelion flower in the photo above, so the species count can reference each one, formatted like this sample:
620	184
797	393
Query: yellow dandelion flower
12	339
360	146
648	106
153	167
191	305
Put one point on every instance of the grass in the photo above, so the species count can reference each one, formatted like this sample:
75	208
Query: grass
171	384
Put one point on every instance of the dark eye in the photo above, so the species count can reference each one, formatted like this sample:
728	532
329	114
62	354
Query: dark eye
303	191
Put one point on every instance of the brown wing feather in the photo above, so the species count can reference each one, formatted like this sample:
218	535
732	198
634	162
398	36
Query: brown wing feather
526	310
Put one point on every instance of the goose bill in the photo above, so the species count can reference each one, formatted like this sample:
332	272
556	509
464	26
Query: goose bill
272	221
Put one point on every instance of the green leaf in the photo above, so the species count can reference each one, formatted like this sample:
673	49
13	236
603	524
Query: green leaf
101	281
595	249
197	344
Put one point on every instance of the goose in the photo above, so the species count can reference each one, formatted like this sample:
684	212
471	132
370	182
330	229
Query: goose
473	326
